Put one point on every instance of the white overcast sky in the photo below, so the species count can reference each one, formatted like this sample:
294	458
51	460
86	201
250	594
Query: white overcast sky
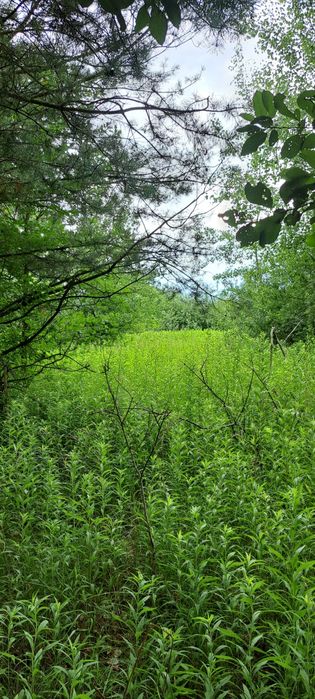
217	76
216	80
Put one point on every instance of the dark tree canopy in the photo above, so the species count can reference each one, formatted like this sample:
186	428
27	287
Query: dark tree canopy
296	138
94	141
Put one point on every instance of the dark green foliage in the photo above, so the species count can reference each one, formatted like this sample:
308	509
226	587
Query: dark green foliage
273	137
259	194
158	24
253	142
78	175
173	12
276	291
299	186
143	19
220	15
272	286
263	104
306	101
185	312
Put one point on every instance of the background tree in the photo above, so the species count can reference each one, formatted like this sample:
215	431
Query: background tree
272	286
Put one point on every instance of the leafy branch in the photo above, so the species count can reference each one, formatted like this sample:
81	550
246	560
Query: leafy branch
297	187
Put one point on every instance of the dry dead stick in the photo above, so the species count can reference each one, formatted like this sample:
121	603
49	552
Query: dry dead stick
139	471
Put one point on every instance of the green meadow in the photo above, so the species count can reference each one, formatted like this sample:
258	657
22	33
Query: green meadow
157	523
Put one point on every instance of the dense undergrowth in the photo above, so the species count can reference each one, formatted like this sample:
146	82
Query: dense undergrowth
157	532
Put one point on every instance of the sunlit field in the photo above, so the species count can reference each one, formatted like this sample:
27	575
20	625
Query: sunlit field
157	534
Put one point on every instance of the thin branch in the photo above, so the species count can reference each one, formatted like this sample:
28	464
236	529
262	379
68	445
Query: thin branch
137	469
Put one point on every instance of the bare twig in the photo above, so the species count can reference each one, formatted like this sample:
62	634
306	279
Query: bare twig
265	385
234	423
138	469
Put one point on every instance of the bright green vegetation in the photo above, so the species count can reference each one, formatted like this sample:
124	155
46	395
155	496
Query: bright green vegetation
156	450
273	285
157	523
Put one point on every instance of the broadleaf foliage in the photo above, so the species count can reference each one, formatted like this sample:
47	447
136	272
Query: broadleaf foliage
259	194
297	190
160	13
253	142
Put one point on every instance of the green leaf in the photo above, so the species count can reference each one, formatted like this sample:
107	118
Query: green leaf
250	128
310	239
308	156
247	116
173	12
296	188
259	107
143	19
300	197
107	6
111	6
259	194
263	121
253	142
115	6
278	215
230	634
309	141
43	625
287	190
292	146
246	693
269	233
267	99
306	101
229	217
248	234
274	137
292	218
279	102
121	21
123	4
265	232
292	173
158	25
286	664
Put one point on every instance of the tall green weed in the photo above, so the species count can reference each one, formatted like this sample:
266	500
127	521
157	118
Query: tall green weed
157	521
